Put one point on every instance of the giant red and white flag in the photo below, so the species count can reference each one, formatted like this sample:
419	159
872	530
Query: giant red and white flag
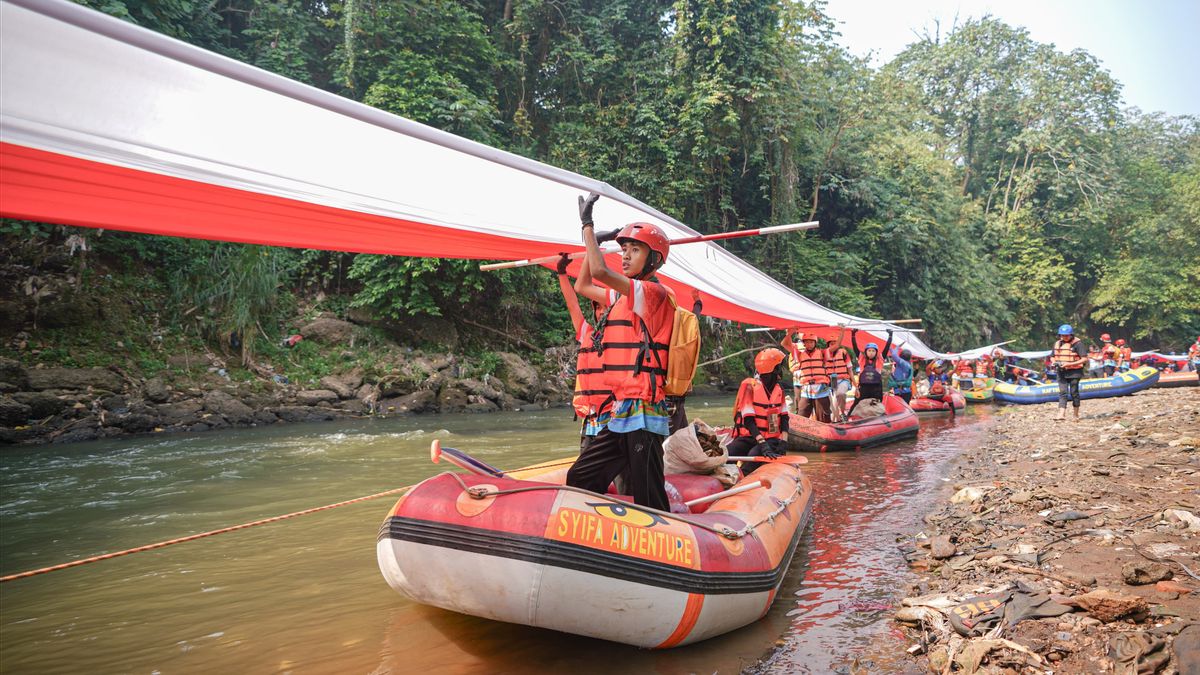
106	124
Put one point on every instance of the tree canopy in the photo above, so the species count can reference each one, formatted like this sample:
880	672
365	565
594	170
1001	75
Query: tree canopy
983	181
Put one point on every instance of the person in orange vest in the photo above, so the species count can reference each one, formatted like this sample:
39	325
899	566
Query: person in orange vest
812	384
1070	358
1095	361
1194	354
592	399
1109	352
870	370
760	417
1124	356
984	366
632	340
840	367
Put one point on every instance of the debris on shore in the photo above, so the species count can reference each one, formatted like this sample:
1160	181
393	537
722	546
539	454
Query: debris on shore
1067	547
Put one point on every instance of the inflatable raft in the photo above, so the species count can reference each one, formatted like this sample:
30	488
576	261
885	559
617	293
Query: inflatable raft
898	422
925	406
977	389
1121	384
523	548
1187	379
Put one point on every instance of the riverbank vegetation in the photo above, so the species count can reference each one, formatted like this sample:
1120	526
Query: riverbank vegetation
990	184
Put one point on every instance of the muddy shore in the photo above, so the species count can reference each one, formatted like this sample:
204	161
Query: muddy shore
1066	547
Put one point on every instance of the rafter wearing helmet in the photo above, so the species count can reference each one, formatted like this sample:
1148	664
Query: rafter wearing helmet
632	340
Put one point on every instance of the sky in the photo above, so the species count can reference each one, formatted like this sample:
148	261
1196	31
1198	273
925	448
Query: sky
1152	47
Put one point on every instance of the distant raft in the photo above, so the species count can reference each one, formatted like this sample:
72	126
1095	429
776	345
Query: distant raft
951	402
897	423
977	389
1121	384
1187	379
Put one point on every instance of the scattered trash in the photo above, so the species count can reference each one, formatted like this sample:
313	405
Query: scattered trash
1137	653
967	495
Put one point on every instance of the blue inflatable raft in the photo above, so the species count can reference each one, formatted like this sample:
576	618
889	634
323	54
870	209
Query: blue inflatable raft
1121	384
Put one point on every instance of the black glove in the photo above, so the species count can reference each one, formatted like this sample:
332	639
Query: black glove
770	452
607	236
585	208
563	261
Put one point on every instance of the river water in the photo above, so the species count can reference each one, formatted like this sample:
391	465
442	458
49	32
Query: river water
305	595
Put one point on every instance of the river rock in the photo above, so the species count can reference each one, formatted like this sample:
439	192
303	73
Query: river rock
481	405
136	423
337	386
41	379
1172	587
519	378
41	404
482	389
11	373
453	398
12	412
221	403
1021	497
316	396
115	404
1142	572
419	401
940	547
182	413
264	417
87	433
328	331
156	390
1108	606
302	413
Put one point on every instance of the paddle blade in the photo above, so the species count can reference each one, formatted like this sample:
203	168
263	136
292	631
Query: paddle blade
462	460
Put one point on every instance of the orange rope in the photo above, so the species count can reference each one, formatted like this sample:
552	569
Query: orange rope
193	537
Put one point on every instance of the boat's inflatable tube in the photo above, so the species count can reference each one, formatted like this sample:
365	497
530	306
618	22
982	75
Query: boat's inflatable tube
925	406
1188	379
525	549
898	422
977	389
1121	384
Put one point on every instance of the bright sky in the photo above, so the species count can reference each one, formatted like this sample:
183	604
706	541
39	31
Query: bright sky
1152	47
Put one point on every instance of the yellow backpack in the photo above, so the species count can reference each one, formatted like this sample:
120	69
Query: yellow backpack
683	355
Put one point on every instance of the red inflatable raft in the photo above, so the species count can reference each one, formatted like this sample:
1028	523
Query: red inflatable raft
522	547
898	422
924	405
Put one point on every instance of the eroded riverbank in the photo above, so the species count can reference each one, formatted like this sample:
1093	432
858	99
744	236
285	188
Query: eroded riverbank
1098	521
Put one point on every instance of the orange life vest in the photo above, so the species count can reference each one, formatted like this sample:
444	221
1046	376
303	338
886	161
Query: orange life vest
592	396
1194	351
634	355
1126	355
963	367
984	368
937	389
812	365
770	410
839	363
1064	354
1110	353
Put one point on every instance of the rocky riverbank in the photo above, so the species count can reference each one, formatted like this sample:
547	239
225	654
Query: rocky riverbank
1066	547
40	404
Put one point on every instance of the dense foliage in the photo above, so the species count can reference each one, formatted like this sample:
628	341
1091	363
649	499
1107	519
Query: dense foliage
985	182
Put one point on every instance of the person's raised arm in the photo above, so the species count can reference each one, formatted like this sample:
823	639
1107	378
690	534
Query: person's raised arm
568	291
887	345
595	257
854	339
787	343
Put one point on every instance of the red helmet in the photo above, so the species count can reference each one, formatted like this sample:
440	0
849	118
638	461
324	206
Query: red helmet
766	360
648	234
1106	338
808	336
1120	343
